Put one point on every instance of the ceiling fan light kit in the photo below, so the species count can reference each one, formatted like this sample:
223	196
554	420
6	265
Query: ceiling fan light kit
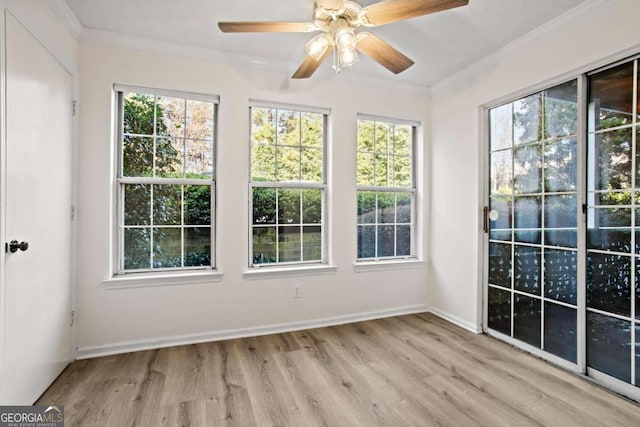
337	20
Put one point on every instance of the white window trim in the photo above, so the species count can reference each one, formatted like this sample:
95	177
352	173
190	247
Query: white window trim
300	268
119	278
404	261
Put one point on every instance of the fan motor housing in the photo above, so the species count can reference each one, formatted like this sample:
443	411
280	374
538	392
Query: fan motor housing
350	12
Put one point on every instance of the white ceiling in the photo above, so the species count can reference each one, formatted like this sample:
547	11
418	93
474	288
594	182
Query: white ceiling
440	44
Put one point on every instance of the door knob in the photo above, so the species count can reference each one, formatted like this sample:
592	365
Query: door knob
13	246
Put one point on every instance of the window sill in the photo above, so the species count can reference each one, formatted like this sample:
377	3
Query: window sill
405	264
271	272
161	279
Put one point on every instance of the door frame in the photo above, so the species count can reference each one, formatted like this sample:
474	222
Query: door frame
21	13
580	367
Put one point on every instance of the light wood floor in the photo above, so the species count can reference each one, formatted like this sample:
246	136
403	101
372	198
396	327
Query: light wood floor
415	370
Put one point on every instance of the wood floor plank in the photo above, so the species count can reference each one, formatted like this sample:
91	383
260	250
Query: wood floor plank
415	370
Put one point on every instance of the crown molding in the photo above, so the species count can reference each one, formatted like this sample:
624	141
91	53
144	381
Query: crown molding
131	42
64	13
518	43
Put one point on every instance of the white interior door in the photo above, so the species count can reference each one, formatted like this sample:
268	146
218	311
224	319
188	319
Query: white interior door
38	199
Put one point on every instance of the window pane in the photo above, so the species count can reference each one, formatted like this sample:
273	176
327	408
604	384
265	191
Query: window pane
365	136
264	245
499	312
137	248
288	166
366	207
137	204
386	207
167	204
527	216
609	345
199	159
263	126
611	97
169	154
403	208
609	283
312	206
199	120
560	212
561	109
312	243
500	264
403	140
560	331
502	227
561	165
527	320
138	117
289	206
289	244
402	171
312	129
403	240
528	169
384	170
561	275
384	138
263	163
171	117
197	246
311	165
365	169
502	172
197	205
526	119
527	269
264	205
288	128
137	156
501	127
167	247
366	241
386	240
612	151
609	229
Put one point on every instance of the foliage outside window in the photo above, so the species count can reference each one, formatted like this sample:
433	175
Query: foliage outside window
165	180
287	186
386	189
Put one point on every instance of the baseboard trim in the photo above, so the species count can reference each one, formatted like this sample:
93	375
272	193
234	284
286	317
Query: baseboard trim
469	326
131	346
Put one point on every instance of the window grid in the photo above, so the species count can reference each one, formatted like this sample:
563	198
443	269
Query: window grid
190	178
313	185
372	248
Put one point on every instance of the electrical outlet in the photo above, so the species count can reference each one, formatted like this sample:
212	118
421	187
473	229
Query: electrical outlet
296	291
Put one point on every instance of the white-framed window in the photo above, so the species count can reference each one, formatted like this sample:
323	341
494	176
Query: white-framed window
287	185
386	188
165	204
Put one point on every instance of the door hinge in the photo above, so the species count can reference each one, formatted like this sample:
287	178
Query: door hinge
73	317
74	106
73	213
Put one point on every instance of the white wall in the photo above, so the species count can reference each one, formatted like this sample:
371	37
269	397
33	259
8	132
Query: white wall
597	32
109	319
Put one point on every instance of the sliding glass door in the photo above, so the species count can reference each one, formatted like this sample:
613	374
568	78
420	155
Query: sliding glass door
532	216
613	224
563	225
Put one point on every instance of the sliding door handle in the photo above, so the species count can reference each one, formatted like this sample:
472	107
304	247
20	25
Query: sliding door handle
485	219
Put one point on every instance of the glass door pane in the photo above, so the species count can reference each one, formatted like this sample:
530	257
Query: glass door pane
613	221
532	295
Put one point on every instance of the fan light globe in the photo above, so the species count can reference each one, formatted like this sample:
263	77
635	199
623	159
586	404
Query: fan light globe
348	57
346	39
317	46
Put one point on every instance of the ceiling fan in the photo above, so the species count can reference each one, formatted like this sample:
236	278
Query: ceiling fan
337	20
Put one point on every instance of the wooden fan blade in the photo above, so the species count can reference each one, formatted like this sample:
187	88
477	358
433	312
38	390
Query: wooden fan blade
330	4
266	27
310	65
383	53
389	11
